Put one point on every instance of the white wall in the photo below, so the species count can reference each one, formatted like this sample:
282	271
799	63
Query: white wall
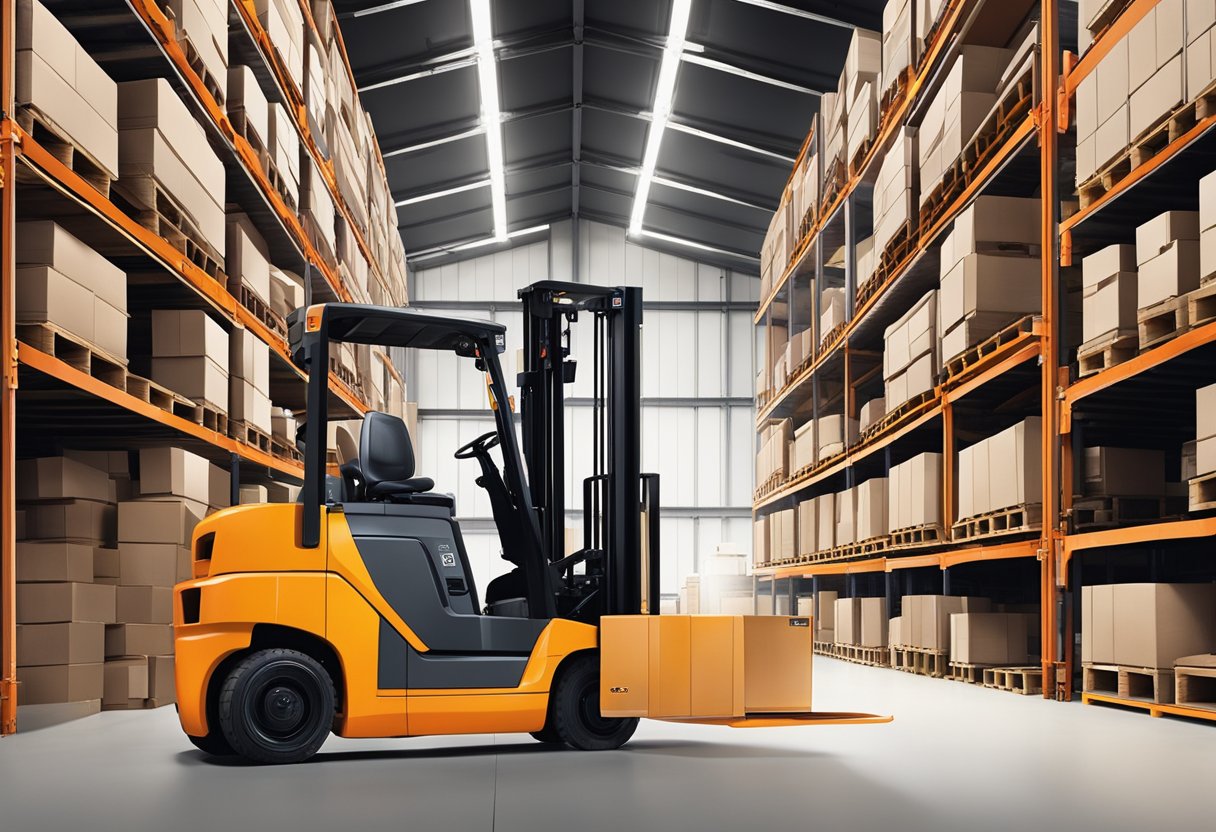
697	418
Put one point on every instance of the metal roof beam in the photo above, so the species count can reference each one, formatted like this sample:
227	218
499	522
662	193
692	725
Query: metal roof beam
693	56
466	128
802	13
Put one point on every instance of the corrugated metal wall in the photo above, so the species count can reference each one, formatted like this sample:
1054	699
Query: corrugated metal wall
697	377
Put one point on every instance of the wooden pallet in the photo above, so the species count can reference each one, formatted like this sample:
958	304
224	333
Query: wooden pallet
1145	684
257	307
193	58
202	413
824	648
891	96
895	416
54	140
900	248
1106	351
834	178
1162	321
974	355
1201	305
153	207
285	450
1023	680
1195	687
1201	493
859	158
1140	151
871	656
1013	520
250	435
921	662
834	335
1153	709
770	485
1092	513
241	126
927	535
972	674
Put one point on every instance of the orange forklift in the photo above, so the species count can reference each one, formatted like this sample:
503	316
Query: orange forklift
355	610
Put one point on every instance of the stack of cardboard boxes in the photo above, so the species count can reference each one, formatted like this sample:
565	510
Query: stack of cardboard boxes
249	377
1003	471
65	86
871	413
804	185
990	271
1167	257
164	155
1123	472
990	638
1156	66
861	622
64	283
1147	625
831	310
778	248
1205	433
1200	17
773	459
895	200
247	107
783	534
863	66
825	616
190	355
873	520
925	622
1108	302
958	109
204	23
283	22
915	493
911	359
282	158
897	45
62	612
248	258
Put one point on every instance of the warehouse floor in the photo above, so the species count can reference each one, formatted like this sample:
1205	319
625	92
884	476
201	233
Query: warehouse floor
957	757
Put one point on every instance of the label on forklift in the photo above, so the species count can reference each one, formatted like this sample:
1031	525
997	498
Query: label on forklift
800	622
446	556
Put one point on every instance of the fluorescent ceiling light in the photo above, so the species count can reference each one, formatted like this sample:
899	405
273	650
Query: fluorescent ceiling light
476	244
447	63
491	114
455	137
805	15
714	137
459	189
681	241
663	96
693	56
383	7
659	179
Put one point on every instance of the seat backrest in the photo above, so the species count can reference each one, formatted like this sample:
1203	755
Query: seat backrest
386	453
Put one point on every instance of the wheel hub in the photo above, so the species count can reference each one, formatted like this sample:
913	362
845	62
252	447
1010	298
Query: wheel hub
283	708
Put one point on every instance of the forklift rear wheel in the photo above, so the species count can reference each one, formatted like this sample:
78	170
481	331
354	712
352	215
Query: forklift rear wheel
277	706
547	735
576	710
213	744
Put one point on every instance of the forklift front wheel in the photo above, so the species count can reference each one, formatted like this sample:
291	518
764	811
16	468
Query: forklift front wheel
277	706
576	709
213	744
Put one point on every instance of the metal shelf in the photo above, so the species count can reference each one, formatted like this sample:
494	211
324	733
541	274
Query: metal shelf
895	562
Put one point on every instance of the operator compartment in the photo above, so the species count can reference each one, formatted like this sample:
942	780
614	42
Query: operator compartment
705	667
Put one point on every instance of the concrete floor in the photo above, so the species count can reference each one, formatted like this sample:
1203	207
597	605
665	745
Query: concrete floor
956	757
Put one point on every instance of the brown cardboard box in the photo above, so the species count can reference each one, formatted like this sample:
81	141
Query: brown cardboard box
51	684
138	640
988	283
64	643
1106	263
826	603
1112	79
44	243
162	687
1156	98
47	296
110	328
1111	137
52	603
1124	472
246	98
126	683
173	472
149	564
159	520
1156	235
105	565
872	520
248	258
60	478
846	517
197	377
251	494
75	520
926	624
146	154
828	517
219	491
143	605
760	541
1110	306
249	359
1173	272
873	622
1155	624
249	405
1098	624
848	620
808	529
114	463
187	333
205	23
1015	465
54	561
989	638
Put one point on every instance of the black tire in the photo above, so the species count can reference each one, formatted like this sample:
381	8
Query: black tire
277	706
547	735
214	744
575	703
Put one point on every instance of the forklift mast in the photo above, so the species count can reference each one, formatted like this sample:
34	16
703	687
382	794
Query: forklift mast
620	551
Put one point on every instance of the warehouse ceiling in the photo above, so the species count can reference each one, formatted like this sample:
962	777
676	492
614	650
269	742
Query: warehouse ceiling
577	83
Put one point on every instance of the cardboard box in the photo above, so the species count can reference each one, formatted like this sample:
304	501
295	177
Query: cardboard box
847	620
828	517
248	258
846	517
988	283
1173	272
834	433
1098	267
205	24
126	683
166	520
871	413
72	520
972	331
42	243
149	564
915	492
760	541
1015	465
143	604
872	520
1157	98
1124	472
1156	236
162	687
1199	66
873	616
808	529
54	561
926	624
895	631
76	642
992	638
831	310
138	640
1098	624
52	603
60	478
110	329
991	222
54	684
1112	74
1156	624
188	333
1205	412
197	377
825	602
1110	307
44	295
247	102
173	472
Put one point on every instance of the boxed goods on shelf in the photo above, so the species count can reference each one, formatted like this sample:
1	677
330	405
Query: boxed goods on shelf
249	377
283	21
190	353
1205	426
1102	112
52	603
70	93
783	534
1123	472
926	619
805	187
203	24
871	412
865	260
827	517
1207	227
910	353
760	554
957	110
1108	303
247	107
286	292
994	638
63	282
317	211
773	459
874	628
1155	77
802	452
914	495
1167	257
846	517
847	621
834	434
174	472
871	499
1200	69
61	478
53	560
317	90
831	310
166	165
283	151
998	288
248	261
895	201
895	632
808	527
897	51
1146	625
825	619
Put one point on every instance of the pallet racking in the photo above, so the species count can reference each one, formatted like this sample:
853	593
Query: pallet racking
47	396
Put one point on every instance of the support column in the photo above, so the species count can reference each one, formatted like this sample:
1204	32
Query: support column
8	378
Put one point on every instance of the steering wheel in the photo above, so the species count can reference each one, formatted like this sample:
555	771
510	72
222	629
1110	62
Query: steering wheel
478	446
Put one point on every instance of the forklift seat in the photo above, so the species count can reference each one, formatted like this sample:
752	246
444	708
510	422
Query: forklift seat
386	456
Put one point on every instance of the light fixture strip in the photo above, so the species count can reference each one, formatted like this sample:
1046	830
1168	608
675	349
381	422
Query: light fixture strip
664	93
491	113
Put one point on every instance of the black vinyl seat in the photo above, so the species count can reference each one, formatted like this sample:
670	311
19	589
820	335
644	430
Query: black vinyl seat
386	460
